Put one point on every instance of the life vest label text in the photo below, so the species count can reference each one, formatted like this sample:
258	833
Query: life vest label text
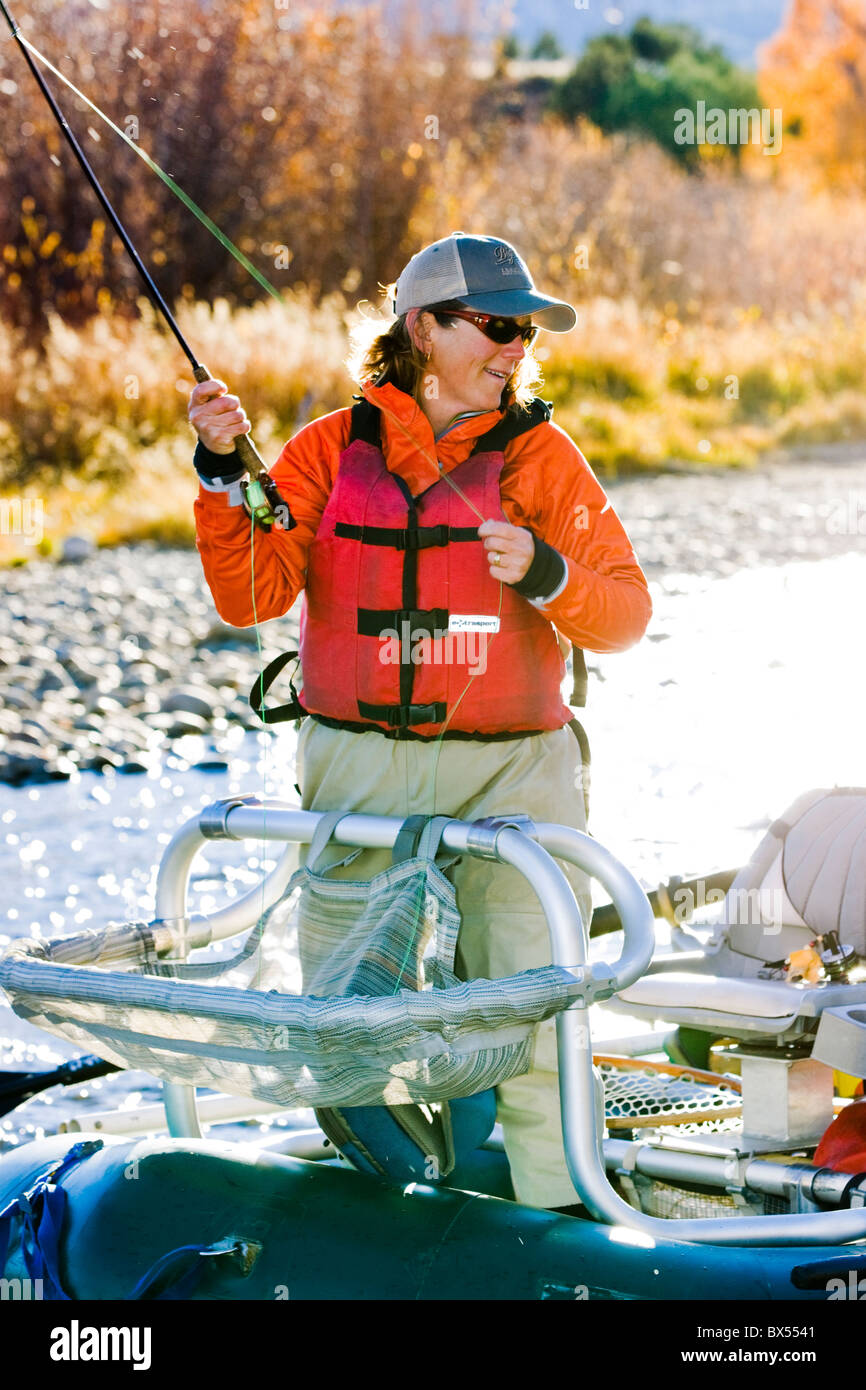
473	622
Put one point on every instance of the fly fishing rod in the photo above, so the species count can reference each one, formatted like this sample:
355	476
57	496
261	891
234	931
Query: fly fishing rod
262	499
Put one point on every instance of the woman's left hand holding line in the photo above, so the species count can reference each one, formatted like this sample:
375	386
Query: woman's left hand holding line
510	550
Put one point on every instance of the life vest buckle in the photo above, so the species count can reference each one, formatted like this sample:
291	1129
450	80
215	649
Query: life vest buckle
425	536
403	716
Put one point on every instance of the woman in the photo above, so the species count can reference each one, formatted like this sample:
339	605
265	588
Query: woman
446	530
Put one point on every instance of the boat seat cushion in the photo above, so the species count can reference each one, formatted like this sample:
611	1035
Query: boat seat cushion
748	1000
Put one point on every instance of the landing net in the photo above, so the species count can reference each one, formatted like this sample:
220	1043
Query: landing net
639	1094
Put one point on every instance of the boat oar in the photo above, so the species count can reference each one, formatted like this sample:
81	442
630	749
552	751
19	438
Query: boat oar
18	1086
675	900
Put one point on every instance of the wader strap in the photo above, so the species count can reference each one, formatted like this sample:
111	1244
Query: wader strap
585	761
263	682
579	678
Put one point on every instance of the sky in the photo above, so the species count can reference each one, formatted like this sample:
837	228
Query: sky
739	26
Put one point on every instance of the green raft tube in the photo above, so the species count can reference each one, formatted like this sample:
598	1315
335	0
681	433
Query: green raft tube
114	1216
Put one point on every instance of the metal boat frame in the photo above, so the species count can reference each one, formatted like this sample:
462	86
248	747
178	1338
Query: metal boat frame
531	848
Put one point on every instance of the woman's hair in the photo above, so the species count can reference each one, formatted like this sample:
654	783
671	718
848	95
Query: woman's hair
392	357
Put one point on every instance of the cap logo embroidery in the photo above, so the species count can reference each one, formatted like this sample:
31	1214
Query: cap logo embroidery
504	257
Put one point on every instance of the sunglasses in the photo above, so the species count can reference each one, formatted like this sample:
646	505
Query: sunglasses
498	330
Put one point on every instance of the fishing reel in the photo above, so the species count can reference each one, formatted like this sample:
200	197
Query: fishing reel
259	493
264	505
837	958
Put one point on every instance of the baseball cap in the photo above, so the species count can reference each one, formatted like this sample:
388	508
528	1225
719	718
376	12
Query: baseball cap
484	273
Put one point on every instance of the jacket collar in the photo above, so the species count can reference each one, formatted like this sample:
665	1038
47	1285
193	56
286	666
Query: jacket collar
408	444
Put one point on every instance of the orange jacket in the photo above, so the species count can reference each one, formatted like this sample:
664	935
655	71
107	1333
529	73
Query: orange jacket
546	485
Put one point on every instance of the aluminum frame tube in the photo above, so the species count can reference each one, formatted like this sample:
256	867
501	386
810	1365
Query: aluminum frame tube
585	1160
240	820
582	1133
770	1177
628	897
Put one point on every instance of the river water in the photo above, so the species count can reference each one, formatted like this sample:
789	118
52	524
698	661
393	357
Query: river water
747	691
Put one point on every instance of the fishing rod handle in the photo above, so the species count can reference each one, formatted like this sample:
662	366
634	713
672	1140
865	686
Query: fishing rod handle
244	447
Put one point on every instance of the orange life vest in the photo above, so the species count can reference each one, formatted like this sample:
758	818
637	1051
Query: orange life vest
404	630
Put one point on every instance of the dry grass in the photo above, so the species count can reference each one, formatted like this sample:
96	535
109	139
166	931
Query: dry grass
703	247
635	388
720	317
648	389
95	426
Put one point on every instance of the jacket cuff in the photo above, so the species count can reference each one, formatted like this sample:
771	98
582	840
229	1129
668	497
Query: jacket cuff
546	576
219	469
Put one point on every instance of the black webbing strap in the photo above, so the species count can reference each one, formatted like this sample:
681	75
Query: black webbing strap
373	622
579	678
585	761
366	424
356	727
514	422
402	538
408	836
263	683
403	716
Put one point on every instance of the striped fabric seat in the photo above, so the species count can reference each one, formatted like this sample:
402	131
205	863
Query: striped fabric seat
384	1019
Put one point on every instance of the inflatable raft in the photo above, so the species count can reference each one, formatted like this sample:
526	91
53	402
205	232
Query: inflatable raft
746	1213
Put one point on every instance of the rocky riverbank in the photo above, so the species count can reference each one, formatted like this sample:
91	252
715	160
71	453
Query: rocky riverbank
107	659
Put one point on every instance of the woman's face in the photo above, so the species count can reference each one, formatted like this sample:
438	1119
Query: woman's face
469	371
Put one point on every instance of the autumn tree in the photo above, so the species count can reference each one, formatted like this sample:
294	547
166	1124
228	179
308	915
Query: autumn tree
815	71
637	82
306	134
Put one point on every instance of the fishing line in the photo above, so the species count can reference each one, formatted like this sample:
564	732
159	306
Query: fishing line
260	494
239	256
166	178
440	737
260	503
445	477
